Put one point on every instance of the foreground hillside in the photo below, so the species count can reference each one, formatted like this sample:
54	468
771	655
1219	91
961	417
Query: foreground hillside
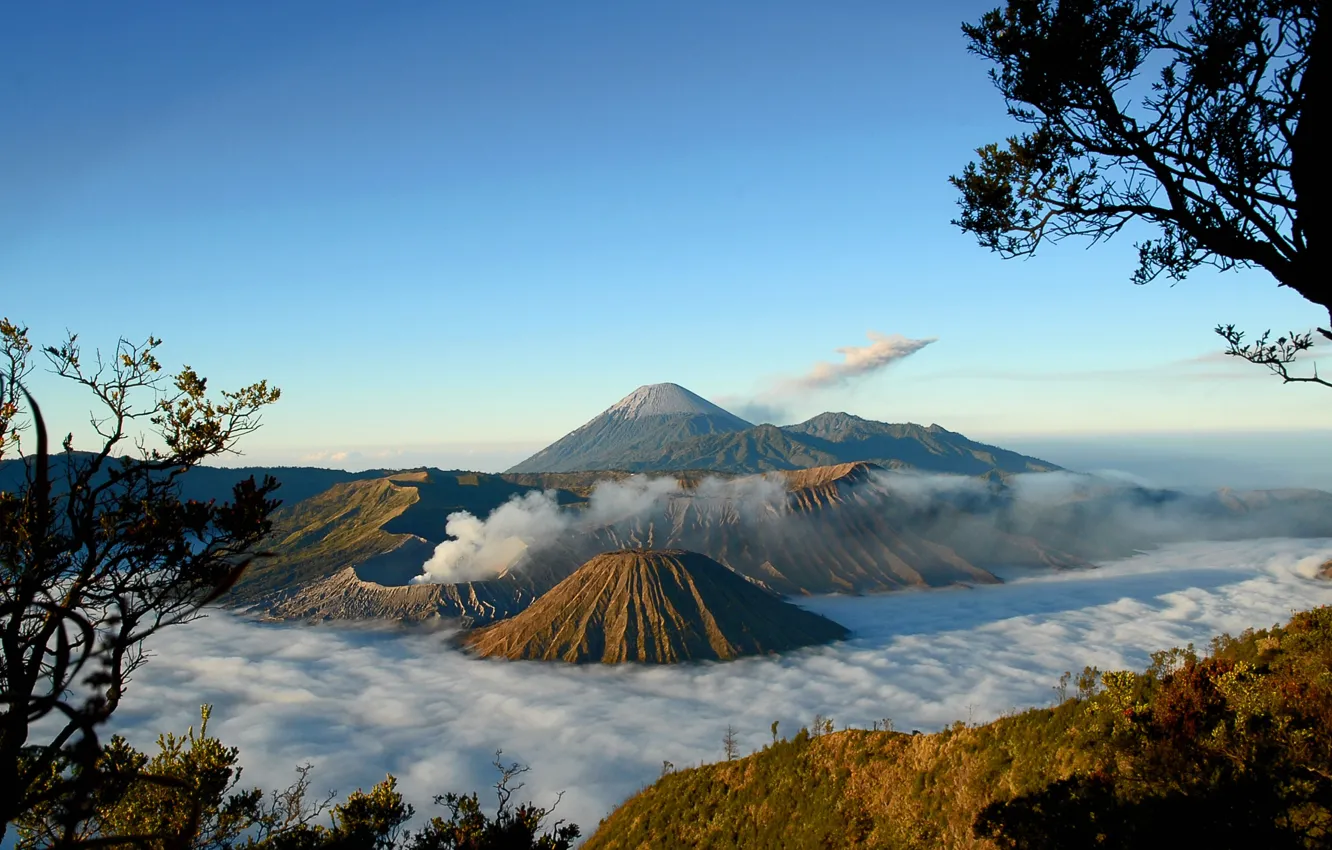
1229	750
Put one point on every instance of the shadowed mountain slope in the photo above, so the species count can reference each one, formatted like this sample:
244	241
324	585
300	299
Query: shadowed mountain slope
665	427
826	530
934	449
832	438
385	527
650	416
347	553
654	607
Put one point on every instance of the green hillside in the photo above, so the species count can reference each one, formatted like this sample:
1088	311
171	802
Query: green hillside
1228	750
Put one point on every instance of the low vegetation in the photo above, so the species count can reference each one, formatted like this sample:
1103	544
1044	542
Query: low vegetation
1226	749
189	796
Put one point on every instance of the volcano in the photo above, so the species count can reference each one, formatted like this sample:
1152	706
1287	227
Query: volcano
648	418
653	607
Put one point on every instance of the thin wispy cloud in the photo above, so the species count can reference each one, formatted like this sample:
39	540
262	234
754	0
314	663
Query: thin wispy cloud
1214	365
857	361
360	702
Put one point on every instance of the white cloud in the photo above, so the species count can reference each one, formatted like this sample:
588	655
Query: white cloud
484	549
359	702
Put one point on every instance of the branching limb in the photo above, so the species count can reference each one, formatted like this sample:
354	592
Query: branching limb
1277	355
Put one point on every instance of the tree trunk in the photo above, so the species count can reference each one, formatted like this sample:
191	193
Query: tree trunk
1309	177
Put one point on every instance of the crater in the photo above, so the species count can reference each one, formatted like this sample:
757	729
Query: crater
397	567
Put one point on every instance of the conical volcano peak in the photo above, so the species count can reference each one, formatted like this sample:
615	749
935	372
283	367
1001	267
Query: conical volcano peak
648	419
665	400
653	607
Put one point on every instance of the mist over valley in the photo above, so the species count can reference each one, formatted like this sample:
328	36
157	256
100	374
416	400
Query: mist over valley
357	701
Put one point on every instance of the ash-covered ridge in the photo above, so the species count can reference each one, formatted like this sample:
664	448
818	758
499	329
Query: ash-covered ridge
653	607
670	400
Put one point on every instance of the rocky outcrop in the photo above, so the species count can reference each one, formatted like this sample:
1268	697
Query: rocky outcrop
345	596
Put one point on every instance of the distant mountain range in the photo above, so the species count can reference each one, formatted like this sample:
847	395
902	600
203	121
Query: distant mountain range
665	427
653	607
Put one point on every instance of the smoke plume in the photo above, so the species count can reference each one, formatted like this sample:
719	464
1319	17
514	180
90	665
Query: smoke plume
483	549
859	360
775	404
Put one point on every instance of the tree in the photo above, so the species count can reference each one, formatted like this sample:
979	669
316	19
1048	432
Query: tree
188	797
730	746
1219	153
512	828
1229	750
98	552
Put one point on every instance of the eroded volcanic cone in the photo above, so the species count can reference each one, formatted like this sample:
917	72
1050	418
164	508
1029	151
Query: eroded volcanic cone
654	607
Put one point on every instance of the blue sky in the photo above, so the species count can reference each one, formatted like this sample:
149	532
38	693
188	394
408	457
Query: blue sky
445	228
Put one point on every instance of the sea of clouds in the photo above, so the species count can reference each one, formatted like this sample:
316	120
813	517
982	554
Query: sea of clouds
361	702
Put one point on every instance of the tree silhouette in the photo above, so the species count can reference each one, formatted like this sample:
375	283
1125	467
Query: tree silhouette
98	552
512	828
1218	153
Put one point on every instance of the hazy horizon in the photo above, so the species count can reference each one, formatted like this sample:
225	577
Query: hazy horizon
1207	460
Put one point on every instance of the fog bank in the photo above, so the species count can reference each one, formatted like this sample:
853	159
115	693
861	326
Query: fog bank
362	702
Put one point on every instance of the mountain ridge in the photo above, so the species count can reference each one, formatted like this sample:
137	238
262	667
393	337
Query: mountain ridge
652	415
667	428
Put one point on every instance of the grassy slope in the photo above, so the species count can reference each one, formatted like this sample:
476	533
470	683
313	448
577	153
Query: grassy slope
315	538
1192	747
352	522
853	788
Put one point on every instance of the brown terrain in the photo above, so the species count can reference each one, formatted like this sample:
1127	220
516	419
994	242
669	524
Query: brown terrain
654	607
823	530
835	531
